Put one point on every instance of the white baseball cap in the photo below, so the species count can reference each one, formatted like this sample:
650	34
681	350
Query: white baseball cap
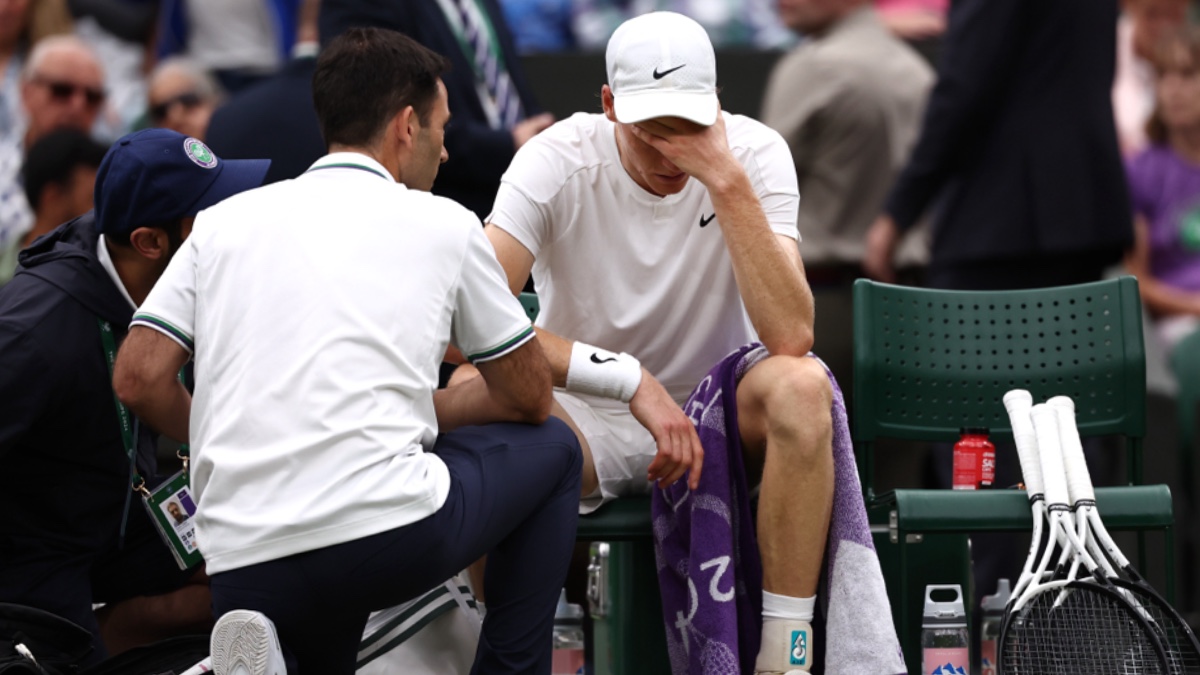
662	64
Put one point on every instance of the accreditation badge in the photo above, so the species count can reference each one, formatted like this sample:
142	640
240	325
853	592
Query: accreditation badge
172	510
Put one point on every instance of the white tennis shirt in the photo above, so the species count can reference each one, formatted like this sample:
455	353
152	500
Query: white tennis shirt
318	310
622	269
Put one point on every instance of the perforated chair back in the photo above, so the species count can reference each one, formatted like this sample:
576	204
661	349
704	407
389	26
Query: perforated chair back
929	362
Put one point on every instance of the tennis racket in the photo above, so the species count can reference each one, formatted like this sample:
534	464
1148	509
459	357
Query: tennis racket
1178	639
1065	626
1018	402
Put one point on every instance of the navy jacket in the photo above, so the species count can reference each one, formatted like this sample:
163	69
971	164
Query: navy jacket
273	119
1018	150
479	155
64	474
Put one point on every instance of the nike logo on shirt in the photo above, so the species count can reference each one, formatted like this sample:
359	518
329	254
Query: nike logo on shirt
705	221
659	76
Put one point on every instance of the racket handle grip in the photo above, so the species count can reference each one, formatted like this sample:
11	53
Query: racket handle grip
1018	402
1045	424
1079	480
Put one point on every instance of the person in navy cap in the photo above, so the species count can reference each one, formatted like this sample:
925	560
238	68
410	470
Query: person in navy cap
71	530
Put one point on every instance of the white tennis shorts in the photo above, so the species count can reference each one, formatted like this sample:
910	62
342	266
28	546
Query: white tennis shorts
621	447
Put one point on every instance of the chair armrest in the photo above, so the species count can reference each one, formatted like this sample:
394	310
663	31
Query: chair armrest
1122	508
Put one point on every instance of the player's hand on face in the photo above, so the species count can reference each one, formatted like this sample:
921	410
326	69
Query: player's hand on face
678	445
699	151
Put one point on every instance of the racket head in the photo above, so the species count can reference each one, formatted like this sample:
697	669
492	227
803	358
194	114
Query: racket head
1090	629
1179	642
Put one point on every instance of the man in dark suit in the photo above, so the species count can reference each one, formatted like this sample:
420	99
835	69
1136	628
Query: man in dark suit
273	118
487	128
1018	151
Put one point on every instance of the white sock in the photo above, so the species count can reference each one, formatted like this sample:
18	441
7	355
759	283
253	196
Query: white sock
787	607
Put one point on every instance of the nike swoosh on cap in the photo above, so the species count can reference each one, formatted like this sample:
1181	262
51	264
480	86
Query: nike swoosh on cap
668	71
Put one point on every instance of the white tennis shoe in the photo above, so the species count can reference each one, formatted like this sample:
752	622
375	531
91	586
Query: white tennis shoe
244	642
787	648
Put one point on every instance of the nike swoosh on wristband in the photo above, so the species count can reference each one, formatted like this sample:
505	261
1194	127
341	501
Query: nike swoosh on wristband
659	76
596	359
705	221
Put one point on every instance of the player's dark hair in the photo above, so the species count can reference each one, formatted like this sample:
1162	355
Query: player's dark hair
366	76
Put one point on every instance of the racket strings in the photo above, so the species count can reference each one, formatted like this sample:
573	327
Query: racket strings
1088	632
1182	657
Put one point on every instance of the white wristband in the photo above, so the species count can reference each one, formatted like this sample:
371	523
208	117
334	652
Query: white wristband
603	373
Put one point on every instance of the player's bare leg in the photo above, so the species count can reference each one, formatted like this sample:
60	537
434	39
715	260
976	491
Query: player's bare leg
786	424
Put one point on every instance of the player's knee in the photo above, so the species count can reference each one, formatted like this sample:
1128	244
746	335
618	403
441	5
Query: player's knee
799	384
799	406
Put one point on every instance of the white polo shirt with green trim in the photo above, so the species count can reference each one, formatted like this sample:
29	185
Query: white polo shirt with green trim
318	310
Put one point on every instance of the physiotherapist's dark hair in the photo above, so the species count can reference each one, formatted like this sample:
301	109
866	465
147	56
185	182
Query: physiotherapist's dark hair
366	76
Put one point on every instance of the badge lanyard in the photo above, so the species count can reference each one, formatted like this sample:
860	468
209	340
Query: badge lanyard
170	505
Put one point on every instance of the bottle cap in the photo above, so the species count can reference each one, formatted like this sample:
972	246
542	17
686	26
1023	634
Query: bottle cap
974	431
997	602
566	612
949	614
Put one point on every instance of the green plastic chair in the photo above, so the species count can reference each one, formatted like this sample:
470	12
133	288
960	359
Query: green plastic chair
929	362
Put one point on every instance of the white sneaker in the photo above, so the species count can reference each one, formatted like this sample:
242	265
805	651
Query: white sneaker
244	643
787	648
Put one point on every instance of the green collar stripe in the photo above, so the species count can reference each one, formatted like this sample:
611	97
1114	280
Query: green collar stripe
166	326
347	165
507	345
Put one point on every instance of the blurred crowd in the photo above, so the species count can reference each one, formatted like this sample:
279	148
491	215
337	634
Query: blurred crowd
849	95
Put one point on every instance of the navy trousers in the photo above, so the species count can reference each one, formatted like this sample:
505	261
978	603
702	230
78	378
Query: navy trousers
514	496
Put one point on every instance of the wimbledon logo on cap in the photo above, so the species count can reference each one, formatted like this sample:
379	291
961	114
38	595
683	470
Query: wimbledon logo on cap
199	153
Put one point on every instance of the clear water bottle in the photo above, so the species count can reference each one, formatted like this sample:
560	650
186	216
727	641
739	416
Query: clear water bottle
945	639
989	631
567	658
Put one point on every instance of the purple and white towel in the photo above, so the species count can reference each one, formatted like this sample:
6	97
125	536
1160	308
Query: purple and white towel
709	570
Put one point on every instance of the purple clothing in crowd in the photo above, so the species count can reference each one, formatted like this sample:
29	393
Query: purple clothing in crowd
1165	190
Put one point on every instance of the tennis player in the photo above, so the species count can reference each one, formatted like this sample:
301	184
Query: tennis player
661	236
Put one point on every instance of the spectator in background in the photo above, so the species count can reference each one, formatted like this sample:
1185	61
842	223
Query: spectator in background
182	97
1164	182
275	118
59	176
1143	24
848	102
122	33
494	109
748	23
62	85
914	20
540	26
1018	150
22	24
239	41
